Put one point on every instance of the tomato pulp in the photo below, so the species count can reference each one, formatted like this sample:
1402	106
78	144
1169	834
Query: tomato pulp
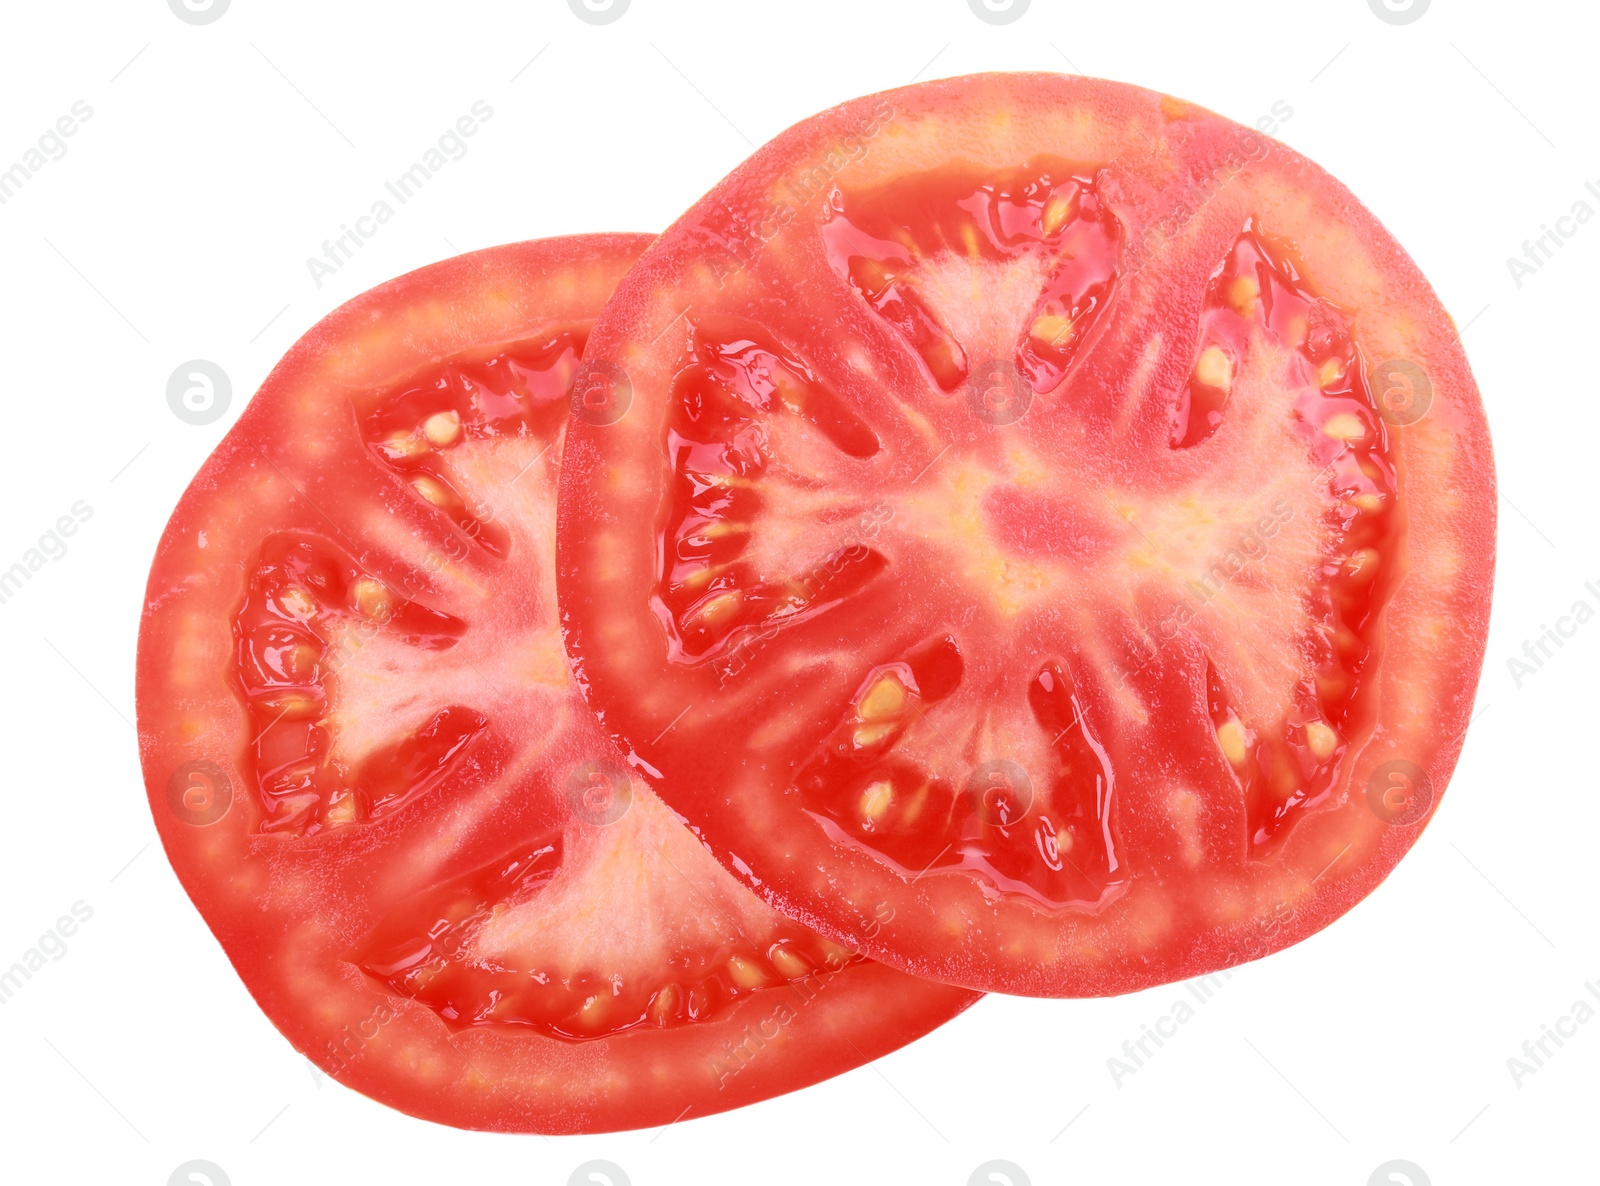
1042	508
376	779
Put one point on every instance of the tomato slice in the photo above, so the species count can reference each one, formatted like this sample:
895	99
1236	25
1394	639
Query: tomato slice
375	777
1047	508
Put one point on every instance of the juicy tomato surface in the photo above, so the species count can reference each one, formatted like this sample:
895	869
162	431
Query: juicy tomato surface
376	779
1048	515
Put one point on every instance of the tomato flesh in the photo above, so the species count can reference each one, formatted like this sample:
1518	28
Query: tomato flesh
467	948
376	778
1058	570
1041	217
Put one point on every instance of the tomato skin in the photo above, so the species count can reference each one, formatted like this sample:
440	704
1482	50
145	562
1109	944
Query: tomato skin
741	254
292	911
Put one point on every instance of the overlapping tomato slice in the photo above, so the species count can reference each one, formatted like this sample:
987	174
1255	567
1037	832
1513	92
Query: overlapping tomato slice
376	778
1066	517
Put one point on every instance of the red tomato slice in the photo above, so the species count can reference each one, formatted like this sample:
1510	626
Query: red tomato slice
1047	508
375	777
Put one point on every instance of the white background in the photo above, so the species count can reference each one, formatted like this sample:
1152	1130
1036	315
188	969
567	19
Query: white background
177	226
